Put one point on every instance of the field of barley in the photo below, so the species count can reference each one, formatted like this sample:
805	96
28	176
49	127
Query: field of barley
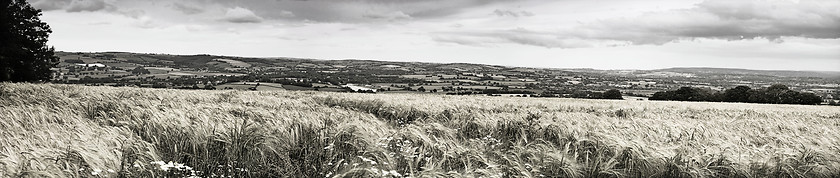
49	130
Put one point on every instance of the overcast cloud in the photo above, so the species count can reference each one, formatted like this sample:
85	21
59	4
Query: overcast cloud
543	33
715	19
186	9
723	19
72	5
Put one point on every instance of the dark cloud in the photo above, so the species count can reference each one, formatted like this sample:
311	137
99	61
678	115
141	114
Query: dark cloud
186	9
356	11
48	5
73	5
344	11
86	5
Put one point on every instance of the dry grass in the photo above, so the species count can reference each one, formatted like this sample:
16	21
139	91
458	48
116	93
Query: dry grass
75	131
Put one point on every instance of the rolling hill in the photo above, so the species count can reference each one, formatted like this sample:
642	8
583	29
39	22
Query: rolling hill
776	73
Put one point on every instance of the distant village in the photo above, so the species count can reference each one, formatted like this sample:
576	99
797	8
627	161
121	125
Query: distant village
232	73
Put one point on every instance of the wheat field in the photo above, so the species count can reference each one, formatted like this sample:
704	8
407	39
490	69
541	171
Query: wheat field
50	130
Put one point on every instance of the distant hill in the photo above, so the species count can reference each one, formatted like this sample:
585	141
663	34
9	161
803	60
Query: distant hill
201	60
734	71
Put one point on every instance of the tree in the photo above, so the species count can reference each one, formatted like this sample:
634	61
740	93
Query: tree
776	93
612	94
737	94
24	54
809	98
662	95
74	61
687	94
777	88
140	70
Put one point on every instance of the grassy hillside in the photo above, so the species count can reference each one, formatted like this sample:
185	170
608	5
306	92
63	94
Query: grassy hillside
76	131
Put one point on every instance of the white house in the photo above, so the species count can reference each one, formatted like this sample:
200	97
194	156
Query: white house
642	83
93	65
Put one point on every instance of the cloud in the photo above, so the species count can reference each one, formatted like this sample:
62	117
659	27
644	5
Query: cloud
133	13
719	19
48	5
711	19
73	5
241	15
340	11
503	13
356	11
186	9
520	36
100	23
287	14
146	22
396	15
87	5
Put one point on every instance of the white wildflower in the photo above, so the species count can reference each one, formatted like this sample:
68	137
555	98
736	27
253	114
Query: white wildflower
395	173
96	171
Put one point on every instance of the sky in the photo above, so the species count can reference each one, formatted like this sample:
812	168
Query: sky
600	34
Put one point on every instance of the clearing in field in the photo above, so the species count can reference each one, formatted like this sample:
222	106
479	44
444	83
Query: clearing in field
78	131
234	63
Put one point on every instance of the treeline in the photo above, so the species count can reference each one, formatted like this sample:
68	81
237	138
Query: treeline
609	94
490	92
775	94
300	83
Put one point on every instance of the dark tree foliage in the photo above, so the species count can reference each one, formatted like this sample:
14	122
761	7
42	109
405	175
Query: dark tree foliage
686	94
292	82
775	94
24	54
140	70
74	61
738	94
612	94
609	94
495	91
778	88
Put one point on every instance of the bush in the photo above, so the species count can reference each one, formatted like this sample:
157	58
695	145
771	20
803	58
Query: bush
612	94
775	94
